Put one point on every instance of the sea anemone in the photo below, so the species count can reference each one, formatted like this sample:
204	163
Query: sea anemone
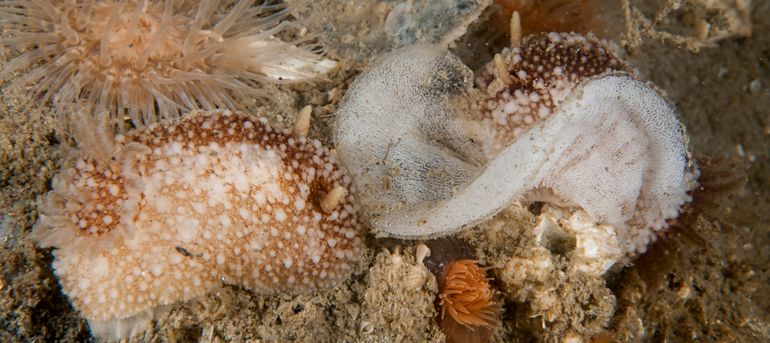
181	207
467	296
149	60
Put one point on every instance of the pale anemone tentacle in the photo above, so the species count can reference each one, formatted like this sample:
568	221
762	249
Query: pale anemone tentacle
145	61
174	209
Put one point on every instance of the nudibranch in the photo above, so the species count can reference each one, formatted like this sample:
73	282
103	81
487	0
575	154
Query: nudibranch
151	60
406	149
613	147
178	208
560	119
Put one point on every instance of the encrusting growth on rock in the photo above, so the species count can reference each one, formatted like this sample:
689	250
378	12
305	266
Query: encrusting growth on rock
397	301
178	208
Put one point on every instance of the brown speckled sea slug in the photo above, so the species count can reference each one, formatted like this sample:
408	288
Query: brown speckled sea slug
176	209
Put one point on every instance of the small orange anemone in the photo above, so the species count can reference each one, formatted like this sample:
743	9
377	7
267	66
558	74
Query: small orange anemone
468	297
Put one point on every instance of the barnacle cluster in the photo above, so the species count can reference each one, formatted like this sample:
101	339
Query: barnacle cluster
397	302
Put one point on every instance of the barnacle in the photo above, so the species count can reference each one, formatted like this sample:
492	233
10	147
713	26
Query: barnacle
560	119
149	60
551	15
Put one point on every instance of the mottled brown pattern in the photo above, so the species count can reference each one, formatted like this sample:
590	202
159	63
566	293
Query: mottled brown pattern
230	129
216	197
90	217
541	72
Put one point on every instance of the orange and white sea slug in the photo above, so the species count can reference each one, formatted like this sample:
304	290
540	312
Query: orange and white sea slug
178	208
525	83
557	118
153	60
614	147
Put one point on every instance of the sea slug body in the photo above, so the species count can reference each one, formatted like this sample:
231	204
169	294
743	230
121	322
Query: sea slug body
615	148
526	83
181	207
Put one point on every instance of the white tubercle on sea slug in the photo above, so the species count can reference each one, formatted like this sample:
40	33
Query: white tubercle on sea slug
181	207
403	139
561	120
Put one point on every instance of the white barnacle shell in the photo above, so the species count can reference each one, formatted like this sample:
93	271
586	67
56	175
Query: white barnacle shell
612	146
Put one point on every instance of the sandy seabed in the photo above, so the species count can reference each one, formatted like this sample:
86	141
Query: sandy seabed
707	282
